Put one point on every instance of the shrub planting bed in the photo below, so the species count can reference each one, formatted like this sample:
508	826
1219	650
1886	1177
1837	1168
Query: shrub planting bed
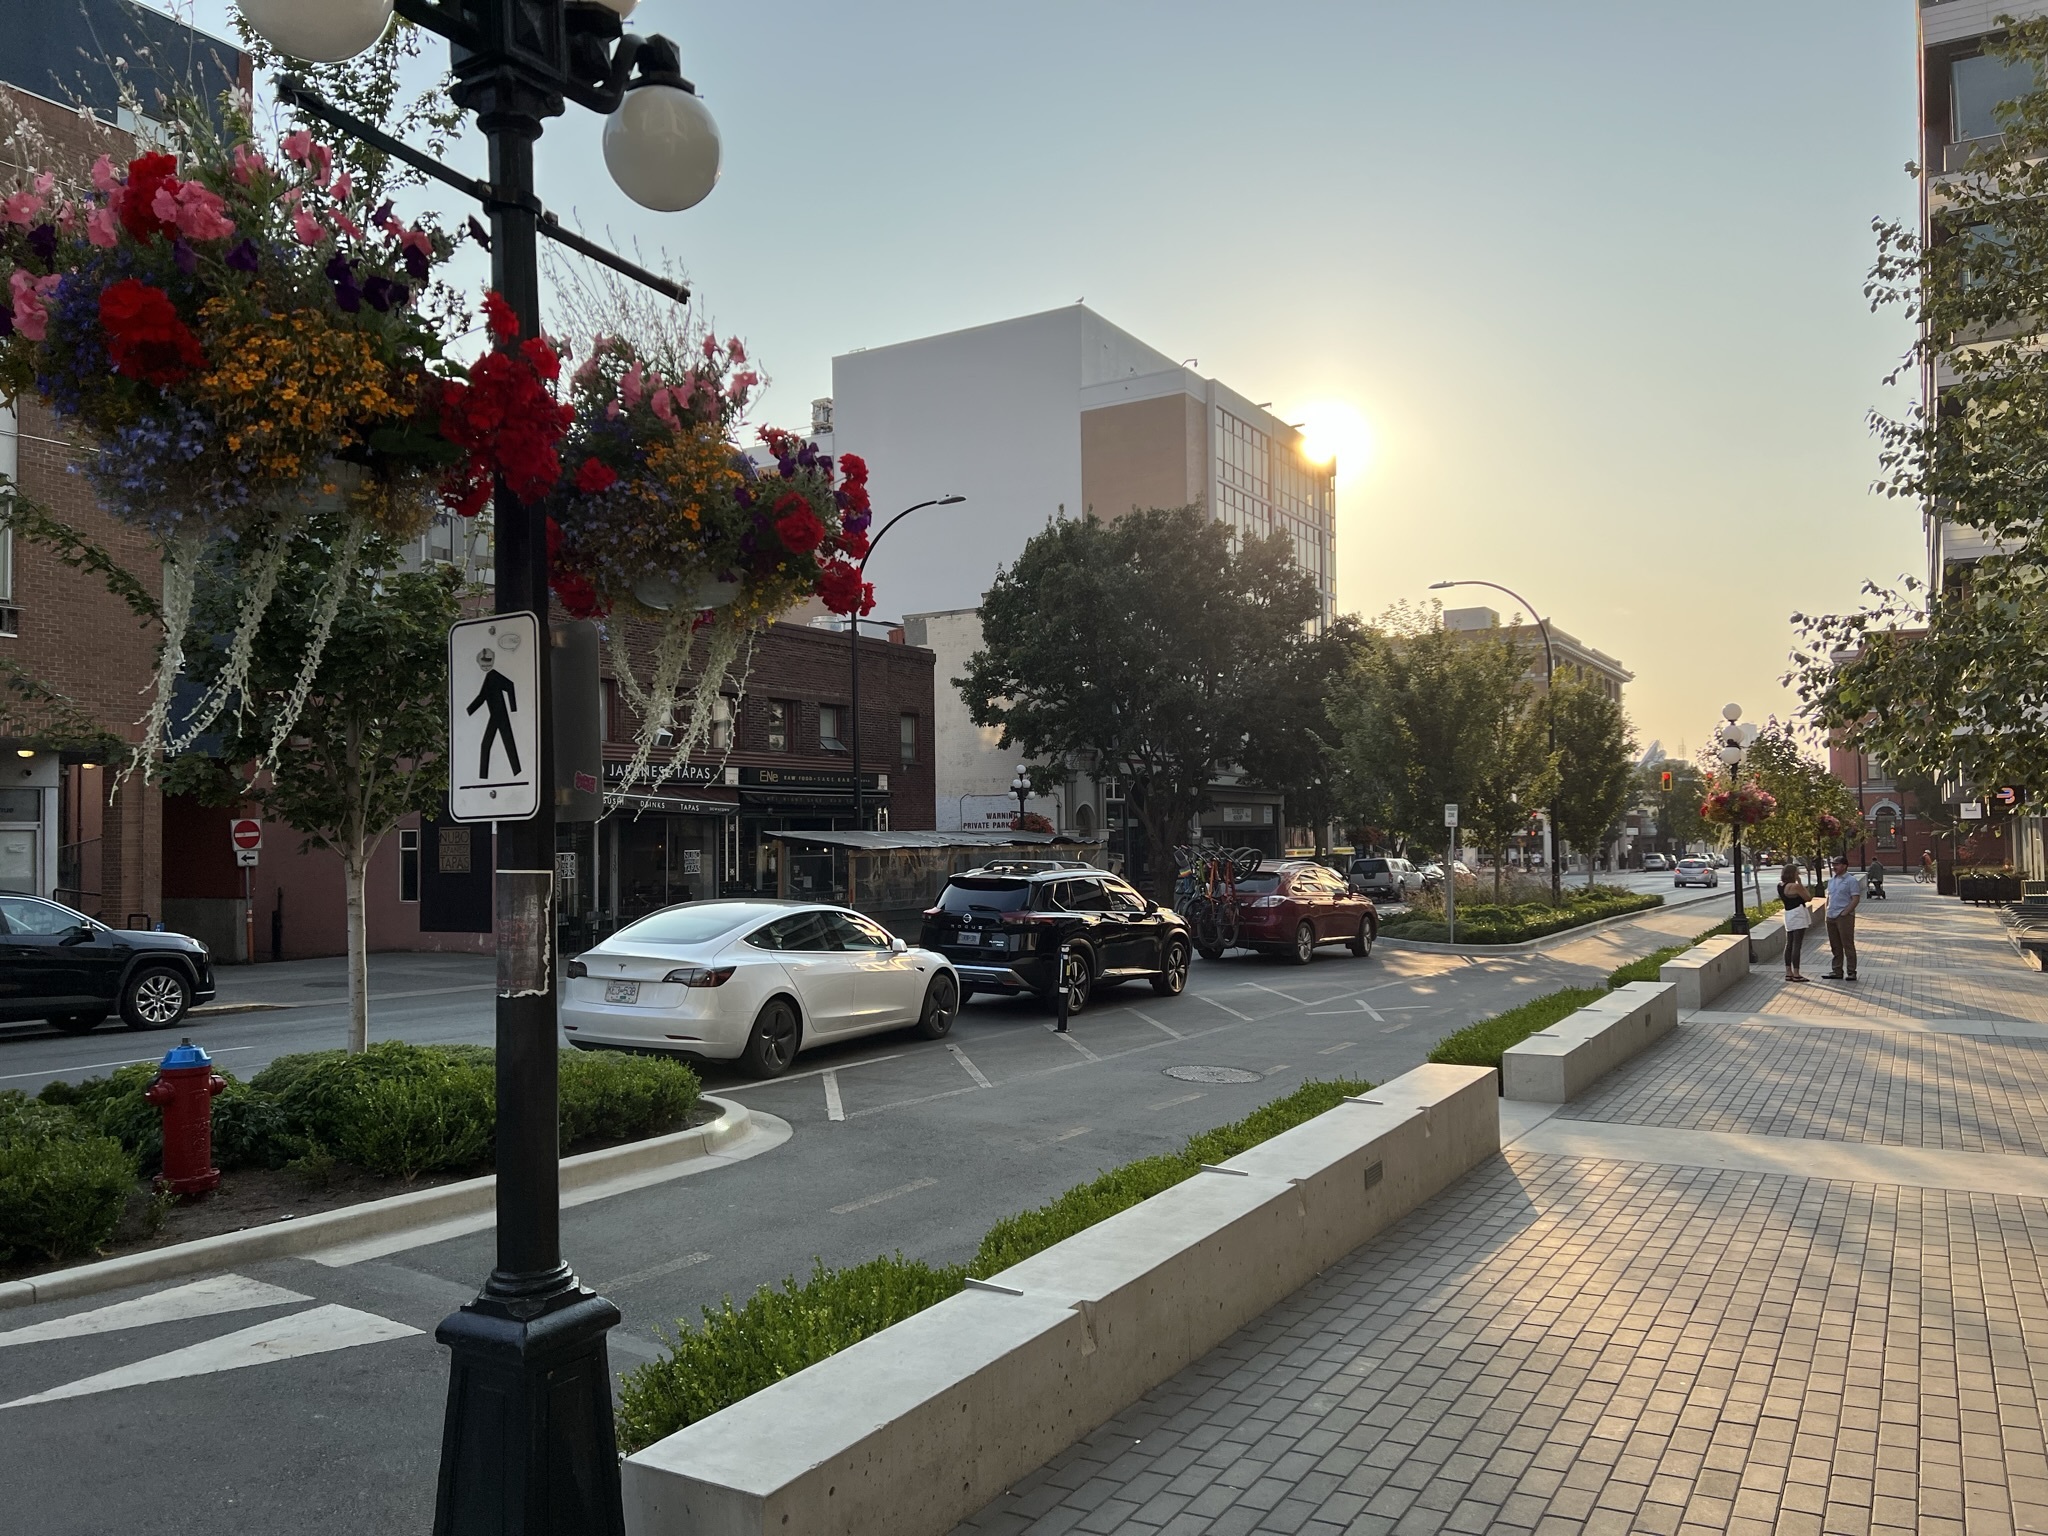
737	1351
338	1128
1485	923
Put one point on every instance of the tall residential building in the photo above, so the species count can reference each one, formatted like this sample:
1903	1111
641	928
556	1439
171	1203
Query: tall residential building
1053	415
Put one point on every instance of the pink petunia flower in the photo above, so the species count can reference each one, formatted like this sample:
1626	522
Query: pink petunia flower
736	350
307	228
21	208
630	387
710	347
103	229
30	317
103	176
323	164
664	407
198	213
247	163
343	186
346	224
297	146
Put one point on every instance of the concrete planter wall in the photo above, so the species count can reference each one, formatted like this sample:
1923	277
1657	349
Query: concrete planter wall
1558	1064
917	1427
1707	970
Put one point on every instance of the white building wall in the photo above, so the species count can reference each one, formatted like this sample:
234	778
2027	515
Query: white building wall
972	773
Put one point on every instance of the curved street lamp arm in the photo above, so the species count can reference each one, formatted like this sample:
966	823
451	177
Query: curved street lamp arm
1542	626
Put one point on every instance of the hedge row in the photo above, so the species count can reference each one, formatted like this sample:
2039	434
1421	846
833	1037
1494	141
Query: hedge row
737	1351
1484	923
395	1110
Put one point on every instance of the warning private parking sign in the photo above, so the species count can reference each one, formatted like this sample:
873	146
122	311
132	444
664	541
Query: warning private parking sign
494	718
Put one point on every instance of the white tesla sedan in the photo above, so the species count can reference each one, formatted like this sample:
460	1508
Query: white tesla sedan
755	980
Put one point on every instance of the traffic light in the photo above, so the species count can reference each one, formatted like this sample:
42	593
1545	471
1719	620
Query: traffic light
1667	781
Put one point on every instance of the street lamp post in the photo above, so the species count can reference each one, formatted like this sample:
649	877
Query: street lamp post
528	1444
1020	786
860	810
1731	755
1550	709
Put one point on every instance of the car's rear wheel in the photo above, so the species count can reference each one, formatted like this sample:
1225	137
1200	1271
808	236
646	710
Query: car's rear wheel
772	1043
1361	942
155	997
1079	980
1172	979
78	1023
941	1002
1304	944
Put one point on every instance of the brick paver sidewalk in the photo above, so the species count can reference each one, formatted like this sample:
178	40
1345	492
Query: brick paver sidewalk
1785	1272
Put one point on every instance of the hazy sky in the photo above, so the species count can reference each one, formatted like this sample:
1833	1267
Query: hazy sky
1589	273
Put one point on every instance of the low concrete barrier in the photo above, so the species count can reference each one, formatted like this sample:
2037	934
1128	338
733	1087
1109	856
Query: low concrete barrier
913	1429
1560	1063
1767	940
1707	970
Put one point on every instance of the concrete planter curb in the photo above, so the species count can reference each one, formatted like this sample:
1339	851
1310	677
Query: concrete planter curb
1558	1064
1548	941
910	1430
378	1218
1707	970
1767	940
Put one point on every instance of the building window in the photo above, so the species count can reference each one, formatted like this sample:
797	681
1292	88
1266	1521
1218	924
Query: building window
906	737
1976	88
721	724
779	712
408	864
831	720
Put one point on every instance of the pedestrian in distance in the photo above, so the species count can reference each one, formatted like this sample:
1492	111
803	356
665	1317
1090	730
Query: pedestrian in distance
1926	876
1845	895
1793	893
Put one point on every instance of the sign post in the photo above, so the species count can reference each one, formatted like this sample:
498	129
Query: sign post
245	833
1451	873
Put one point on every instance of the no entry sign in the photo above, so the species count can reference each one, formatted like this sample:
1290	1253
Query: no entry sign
246	833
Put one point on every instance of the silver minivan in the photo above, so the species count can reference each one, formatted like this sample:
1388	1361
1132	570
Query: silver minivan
1387	879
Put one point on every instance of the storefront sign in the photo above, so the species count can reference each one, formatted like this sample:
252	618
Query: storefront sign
681	773
807	778
676	805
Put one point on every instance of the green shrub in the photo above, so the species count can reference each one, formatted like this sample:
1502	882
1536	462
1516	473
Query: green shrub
777	1333
1484	923
1016	1238
114	1106
62	1183
250	1130
394	1109
1481	1044
285	1071
1649	967
614	1096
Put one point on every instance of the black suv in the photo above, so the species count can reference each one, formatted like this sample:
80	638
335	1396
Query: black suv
1002	928
60	965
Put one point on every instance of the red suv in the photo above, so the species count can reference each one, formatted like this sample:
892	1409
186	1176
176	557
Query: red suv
1295	907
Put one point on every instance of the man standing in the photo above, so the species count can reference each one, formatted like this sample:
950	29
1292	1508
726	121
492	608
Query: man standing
1845	895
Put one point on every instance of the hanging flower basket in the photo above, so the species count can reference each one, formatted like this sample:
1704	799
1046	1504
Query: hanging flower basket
1744	805
234	334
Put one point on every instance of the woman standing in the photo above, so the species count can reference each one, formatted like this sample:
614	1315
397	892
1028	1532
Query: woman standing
1793	893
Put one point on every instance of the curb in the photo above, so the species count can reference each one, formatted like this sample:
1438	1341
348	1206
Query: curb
376	1218
1535	946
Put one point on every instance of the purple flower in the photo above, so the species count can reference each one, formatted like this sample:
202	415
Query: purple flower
377	294
186	258
788	468
743	496
807	456
342	273
825	462
383	212
43	241
401	295
243	257
416	261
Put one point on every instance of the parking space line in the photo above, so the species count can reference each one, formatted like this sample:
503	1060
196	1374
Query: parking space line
1204	997
1162	1028
834	1110
1077	1045
655	1271
1331	1050
887	1194
971	1069
1299	1002
1186	1098
928	1098
797	1077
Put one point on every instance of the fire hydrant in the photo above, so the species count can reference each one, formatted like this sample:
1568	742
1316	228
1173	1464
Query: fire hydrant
185	1086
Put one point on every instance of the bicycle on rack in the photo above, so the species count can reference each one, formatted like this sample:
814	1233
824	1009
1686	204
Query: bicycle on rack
1206	893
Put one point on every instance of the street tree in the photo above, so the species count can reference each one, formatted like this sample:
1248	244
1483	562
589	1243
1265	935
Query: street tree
1676	809
1809	798
368	746
1290	748
1595	765
1139	645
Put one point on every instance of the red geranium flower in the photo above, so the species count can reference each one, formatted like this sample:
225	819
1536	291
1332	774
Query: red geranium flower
797	525
135	202
854	541
509	422
853	468
145	337
595	476
498	315
842	590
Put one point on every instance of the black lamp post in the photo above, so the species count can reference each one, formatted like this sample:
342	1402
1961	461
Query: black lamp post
853	621
1020	786
1731	755
528	1445
1549	704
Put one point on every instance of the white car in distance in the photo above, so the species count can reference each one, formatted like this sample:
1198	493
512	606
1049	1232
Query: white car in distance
752	981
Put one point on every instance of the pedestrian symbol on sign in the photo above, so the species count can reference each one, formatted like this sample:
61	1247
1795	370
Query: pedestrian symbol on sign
493	732
500	695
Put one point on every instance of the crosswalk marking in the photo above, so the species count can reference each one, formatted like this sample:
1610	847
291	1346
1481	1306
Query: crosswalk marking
318	1332
202	1298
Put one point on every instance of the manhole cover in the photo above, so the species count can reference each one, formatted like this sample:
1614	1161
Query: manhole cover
1212	1074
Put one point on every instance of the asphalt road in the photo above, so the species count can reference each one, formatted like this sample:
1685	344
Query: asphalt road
898	1144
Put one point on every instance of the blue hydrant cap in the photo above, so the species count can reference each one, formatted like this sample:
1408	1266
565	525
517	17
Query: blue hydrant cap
185	1054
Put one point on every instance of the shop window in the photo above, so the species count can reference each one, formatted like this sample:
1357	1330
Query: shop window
831	728
408	864
779	712
906	737
721	724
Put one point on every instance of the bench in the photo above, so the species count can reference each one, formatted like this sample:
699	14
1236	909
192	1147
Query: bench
1560	1063
1707	970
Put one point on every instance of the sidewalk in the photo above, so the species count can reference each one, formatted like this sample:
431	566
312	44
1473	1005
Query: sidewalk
302	983
1784	1272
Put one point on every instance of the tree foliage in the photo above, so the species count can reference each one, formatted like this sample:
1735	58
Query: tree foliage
1291	748
1677	809
1140	646
1595	760
1805	792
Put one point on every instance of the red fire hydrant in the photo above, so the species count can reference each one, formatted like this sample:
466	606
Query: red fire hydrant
185	1085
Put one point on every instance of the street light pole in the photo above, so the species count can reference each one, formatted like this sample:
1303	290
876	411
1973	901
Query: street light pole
1731	755
1550	713
860	813
1020	786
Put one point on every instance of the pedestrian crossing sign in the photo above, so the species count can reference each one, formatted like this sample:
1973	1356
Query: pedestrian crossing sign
494	718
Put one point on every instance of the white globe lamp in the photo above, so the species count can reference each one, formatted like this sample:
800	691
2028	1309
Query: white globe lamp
318	31
661	145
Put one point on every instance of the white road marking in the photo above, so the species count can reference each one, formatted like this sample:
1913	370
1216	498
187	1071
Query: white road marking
928	1098
1077	1045
887	1194
834	1110
1298	1001
1224	1006
980	1081
1162	1028
202	1298
92	1066
1331	1050
1331	1013
1079	1130
1377	1016
318	1332
797	1077
655	1272
1279	1067
1186	1098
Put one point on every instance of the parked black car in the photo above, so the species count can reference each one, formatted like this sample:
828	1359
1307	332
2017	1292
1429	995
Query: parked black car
1003	930
60	965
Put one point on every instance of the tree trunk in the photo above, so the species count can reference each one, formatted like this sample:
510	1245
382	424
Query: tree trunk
354	863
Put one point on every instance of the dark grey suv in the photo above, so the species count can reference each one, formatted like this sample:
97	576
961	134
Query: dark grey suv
61	965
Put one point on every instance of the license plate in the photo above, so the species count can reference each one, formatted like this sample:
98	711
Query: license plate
622	991
966	938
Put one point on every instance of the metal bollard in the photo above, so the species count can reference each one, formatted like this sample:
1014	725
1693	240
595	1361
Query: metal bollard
1061	1026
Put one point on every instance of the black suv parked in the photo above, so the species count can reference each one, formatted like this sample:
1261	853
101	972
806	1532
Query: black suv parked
60	965
1002	929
